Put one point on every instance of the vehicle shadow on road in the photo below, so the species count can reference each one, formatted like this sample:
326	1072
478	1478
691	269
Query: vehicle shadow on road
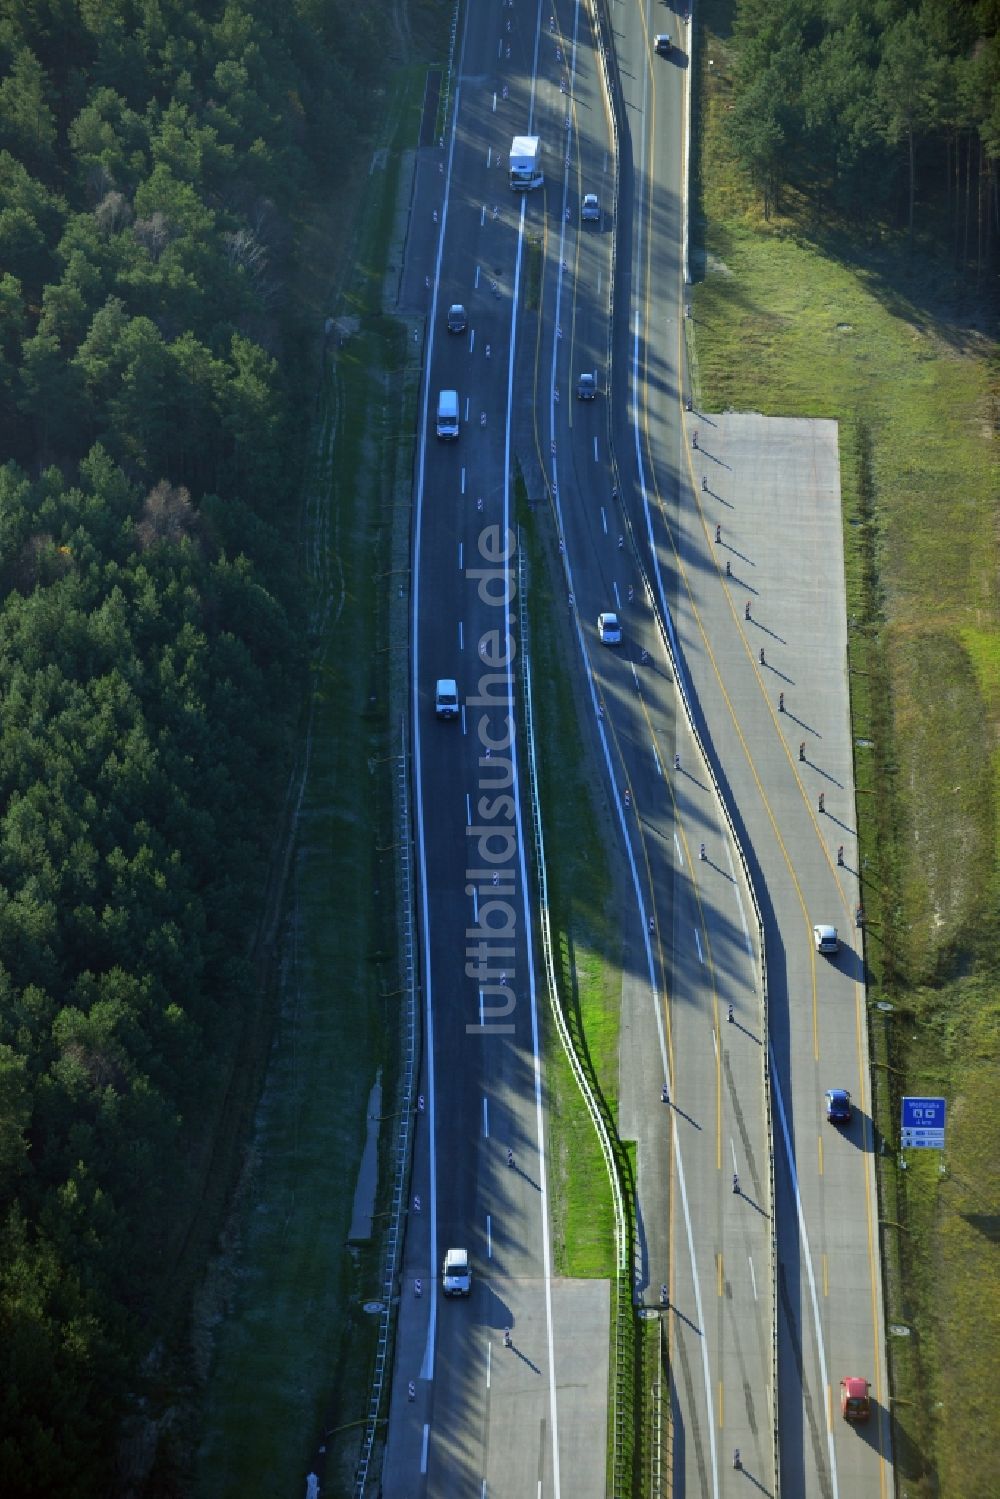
850	965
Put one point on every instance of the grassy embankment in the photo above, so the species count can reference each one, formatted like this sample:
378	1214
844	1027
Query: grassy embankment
293	1352
585	924
788	323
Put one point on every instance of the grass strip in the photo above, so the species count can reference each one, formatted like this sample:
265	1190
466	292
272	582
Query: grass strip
585	930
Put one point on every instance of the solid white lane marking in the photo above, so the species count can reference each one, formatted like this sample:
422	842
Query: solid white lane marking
461	636
461	554
489	1368
604	520
697	943
423	1448
475	281
486	1119
807	1256
489	1237
468	814
463	478
739	901
753	1277
656	761
596	458
427	1362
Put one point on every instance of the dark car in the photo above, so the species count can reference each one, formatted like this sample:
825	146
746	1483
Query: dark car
586	387
456	318
838	1106
662	44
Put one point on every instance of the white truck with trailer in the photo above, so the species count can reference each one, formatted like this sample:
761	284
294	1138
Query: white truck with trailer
526	163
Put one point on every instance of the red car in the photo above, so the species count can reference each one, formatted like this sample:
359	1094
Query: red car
855	1399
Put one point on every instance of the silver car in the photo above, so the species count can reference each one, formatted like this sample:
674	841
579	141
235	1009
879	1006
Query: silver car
590	213
609	631
826	939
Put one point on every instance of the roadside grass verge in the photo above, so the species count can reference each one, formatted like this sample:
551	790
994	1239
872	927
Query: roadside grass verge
785	326
293	1349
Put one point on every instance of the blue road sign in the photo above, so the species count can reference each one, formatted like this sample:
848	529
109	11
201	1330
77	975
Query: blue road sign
922	1124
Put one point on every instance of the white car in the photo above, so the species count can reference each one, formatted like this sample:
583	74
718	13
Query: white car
586	387
609	630
456	1276
446	702
826	939
590	213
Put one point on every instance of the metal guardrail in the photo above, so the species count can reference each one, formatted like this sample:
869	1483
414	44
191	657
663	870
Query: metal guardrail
404	1137
445	104
623	1237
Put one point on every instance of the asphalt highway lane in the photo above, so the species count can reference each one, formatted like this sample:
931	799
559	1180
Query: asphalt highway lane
707	1241
533	1413
472	1412
773	489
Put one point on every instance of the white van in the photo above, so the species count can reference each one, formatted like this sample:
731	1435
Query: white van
456	1277
447	417
446	704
